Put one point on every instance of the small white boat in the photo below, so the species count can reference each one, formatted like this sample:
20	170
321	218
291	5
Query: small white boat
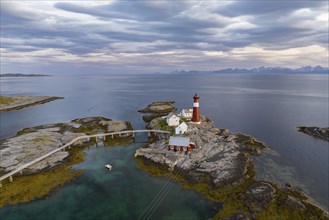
108	166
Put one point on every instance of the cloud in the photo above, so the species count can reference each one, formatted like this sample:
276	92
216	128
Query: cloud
164	35
268	7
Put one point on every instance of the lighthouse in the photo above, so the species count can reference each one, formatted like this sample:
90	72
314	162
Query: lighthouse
196	112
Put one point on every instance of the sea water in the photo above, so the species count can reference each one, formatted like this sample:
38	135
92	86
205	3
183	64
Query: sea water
269	107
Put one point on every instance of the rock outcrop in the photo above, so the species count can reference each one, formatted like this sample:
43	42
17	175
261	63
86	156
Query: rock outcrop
322	133
221	168
31	143
259	195
219	154
157	109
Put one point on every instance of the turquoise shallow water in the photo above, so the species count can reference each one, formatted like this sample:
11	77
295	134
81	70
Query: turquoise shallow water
123	193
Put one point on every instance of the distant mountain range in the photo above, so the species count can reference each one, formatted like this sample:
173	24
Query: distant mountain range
261	70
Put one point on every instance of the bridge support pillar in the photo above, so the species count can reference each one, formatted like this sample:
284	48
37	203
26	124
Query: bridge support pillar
0	185
69	147
96	139
11	179
21	172
112	136
149	134
133	134
119	134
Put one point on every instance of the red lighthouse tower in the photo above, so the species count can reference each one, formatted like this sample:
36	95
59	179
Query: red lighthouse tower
196	112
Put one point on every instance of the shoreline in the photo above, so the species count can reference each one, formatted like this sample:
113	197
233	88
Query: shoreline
234	196
40	179
239	197
11	103
220	168
315	132
230	196
48	180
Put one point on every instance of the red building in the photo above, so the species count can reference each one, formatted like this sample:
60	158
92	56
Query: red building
178	143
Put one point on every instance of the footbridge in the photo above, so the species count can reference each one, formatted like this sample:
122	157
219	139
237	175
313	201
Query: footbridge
68	146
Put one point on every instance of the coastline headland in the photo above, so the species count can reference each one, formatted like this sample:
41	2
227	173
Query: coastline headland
317	132
221	168
10	103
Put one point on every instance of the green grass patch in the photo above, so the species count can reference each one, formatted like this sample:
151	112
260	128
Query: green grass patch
184	120
7	99
162	123
117	141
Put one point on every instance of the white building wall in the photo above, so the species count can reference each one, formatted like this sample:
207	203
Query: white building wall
173	121
181	129
187	114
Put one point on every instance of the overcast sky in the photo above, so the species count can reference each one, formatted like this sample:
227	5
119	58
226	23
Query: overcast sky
161	36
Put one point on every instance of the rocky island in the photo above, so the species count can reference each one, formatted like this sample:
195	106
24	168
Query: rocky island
9	103
322	133
157	109
30	143
221	168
